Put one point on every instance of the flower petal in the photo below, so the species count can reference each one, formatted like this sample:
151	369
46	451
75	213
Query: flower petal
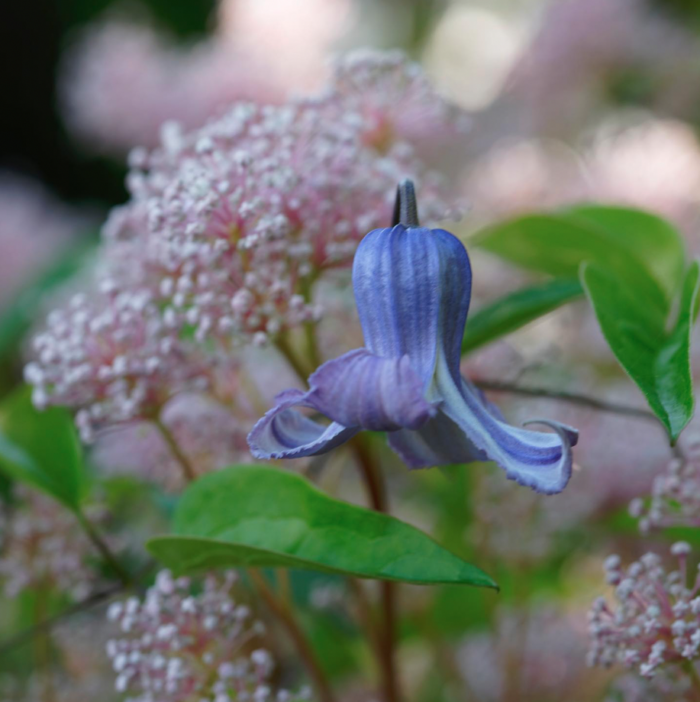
364	390
356	391
439	442
470	428
285	433
412	289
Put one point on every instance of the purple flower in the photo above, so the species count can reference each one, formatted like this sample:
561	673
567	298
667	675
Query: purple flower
412	288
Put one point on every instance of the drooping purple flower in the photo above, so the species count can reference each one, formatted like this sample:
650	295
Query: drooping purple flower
412	288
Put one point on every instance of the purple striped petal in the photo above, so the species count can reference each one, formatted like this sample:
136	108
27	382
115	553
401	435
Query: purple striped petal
356	391
538	460
469	428
363	390
285	433
412	288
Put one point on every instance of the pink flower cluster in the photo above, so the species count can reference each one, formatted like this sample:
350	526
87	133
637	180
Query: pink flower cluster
110	354
229	227
666	685
657	618
178	646
675	493
43	546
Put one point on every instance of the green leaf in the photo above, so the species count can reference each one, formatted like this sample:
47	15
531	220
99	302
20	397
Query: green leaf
558	244
264	517
516	310
655	352
643	234
41	448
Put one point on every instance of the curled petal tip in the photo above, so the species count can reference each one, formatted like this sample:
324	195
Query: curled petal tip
568	434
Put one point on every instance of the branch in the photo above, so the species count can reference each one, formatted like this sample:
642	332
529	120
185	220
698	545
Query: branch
93	601
28	635
563	396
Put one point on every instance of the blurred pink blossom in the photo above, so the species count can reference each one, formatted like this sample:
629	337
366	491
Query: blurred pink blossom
655	621
43	546
583	50
529	656
180	644
124	80
291	40
34	228
210	435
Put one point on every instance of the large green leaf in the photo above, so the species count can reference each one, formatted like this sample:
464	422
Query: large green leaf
41	448
654	240
516	310
655	352
263	517
559	243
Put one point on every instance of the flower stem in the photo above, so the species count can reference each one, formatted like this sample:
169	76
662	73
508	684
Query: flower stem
376	492
694	678
286	617
188	470
286	350
105	551
42	646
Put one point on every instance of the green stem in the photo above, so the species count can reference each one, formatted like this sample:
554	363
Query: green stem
188	470
376	492
42	646
101	545
286	618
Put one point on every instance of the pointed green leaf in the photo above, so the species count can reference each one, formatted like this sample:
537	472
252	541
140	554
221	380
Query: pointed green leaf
653	239
264	517
516	310
41	448
655	352
557	244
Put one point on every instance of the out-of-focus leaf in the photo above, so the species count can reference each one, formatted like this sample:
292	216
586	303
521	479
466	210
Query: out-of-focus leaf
42	448
654	351
516	310
263	517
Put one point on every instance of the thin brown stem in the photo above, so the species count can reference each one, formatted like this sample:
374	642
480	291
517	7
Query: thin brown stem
24	637
563	396
366	616
287	351
286	618
377	495
188	470
103	547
